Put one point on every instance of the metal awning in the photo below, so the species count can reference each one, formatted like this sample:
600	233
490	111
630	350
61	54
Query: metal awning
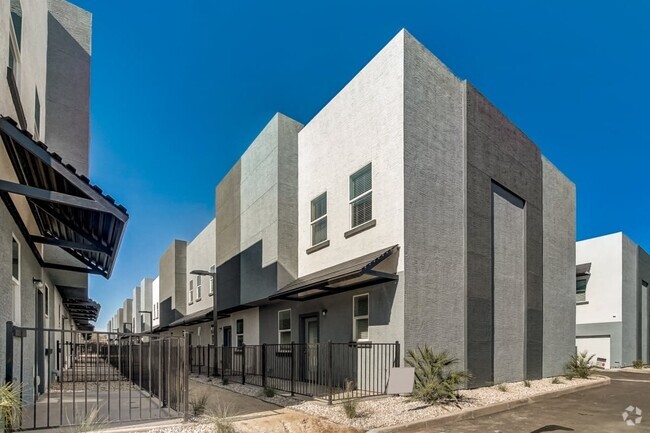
583	270
81	309
370	269
193	319
69	212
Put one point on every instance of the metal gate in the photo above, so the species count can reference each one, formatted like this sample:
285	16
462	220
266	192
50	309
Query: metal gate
74	377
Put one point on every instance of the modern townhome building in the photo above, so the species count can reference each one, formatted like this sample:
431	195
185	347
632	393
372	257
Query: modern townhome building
612	276
408	209
56	228
143	314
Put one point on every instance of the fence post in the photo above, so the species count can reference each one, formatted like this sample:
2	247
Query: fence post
243	364
293	368
264	365
9	354
186	378
208	366
329	372
398	360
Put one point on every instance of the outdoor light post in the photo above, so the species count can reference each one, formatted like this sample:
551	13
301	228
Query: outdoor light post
213	285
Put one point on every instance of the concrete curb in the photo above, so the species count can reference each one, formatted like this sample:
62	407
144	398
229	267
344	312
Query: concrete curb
487	410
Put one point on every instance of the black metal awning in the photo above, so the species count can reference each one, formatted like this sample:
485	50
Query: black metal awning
370	269
193	318
81	309
69	212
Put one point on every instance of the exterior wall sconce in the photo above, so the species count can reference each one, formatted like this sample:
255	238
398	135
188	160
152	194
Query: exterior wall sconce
37	283
324	312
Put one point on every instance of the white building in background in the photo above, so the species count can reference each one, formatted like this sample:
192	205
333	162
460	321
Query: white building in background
612	276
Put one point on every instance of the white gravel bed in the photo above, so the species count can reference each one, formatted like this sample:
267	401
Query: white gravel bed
386	411
254	391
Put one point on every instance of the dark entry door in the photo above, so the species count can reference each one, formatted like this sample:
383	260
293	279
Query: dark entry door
310	344
40	343
227	348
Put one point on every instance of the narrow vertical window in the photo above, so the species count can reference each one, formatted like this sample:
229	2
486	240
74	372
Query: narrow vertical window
240	332
198	287
319	219
213	272
360	317
284	326
47	301
15	260
37	115
191	291
361	196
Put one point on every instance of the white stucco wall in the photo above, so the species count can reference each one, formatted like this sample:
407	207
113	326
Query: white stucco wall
604	289
201	255
364	123
251	326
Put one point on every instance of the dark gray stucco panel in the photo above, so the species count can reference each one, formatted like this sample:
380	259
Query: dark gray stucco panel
499	152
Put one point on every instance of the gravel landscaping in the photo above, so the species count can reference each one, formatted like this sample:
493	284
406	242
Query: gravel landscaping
281	399
386	411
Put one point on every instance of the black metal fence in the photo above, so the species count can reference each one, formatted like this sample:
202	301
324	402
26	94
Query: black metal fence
329	371
72	377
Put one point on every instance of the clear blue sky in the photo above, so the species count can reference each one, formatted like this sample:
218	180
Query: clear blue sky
179	89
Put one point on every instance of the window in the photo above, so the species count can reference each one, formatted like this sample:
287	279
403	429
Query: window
37	115
240	332
198	332
198	287
360	317
15	260
581	289
47	301
284	327
361	196
191	292
17	19
319	219
213	272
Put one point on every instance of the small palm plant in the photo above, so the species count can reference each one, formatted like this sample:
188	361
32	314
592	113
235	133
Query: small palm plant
580	365
435	378
11	406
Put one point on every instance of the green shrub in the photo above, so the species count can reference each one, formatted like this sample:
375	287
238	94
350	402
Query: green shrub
225	380
435	378
502	387
527	383
638	363
580	365
199	405
556	381
11	406
268	392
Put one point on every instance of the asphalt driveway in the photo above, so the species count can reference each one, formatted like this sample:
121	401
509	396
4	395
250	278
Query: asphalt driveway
594	411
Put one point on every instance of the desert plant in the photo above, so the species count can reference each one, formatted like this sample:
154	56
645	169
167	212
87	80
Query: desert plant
225	380
199	404
502	387
435	378
268	392
349	403
92	422
220	419
638	363
580	365
11	406
527	383
556	381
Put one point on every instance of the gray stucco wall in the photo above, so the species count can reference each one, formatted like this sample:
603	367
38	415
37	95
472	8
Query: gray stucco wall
67	103
631	284
643	304
559	213
336	326
612	329
509	274
497	151
434	298
172	274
